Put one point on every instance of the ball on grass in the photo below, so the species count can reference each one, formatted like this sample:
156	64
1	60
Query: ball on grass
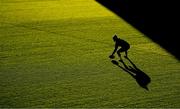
112	56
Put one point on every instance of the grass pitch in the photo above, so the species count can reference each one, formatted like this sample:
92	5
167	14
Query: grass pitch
54	53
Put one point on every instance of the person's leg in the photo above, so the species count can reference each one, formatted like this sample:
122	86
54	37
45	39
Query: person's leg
119	53
126	53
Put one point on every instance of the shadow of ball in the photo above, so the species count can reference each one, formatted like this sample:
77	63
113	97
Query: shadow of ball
115	62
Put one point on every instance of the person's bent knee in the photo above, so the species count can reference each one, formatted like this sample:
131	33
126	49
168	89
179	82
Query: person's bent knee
118	52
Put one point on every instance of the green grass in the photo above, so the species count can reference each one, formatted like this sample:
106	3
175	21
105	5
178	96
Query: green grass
54	53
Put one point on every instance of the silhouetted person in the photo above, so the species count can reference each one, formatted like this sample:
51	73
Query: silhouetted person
120	43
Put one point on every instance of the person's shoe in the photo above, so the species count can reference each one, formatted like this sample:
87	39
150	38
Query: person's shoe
120	60
126	57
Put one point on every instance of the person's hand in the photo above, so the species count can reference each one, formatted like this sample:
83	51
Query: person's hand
112	56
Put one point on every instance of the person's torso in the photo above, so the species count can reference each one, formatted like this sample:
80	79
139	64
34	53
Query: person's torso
122	43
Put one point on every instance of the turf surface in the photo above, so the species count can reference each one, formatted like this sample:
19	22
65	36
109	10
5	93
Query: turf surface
54	53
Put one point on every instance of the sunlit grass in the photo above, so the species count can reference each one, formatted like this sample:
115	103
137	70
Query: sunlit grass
54	53
32	10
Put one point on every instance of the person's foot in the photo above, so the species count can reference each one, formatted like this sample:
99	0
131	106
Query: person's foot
120	60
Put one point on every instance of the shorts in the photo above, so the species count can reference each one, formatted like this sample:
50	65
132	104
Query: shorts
123	49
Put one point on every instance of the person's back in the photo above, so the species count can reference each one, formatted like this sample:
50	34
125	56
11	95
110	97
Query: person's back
122	43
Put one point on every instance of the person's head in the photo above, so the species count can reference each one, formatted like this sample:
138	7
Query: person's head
115	37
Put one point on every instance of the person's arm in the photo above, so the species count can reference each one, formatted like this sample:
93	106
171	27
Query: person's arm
115	49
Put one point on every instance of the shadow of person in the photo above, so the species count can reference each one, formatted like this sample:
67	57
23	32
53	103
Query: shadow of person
141	78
